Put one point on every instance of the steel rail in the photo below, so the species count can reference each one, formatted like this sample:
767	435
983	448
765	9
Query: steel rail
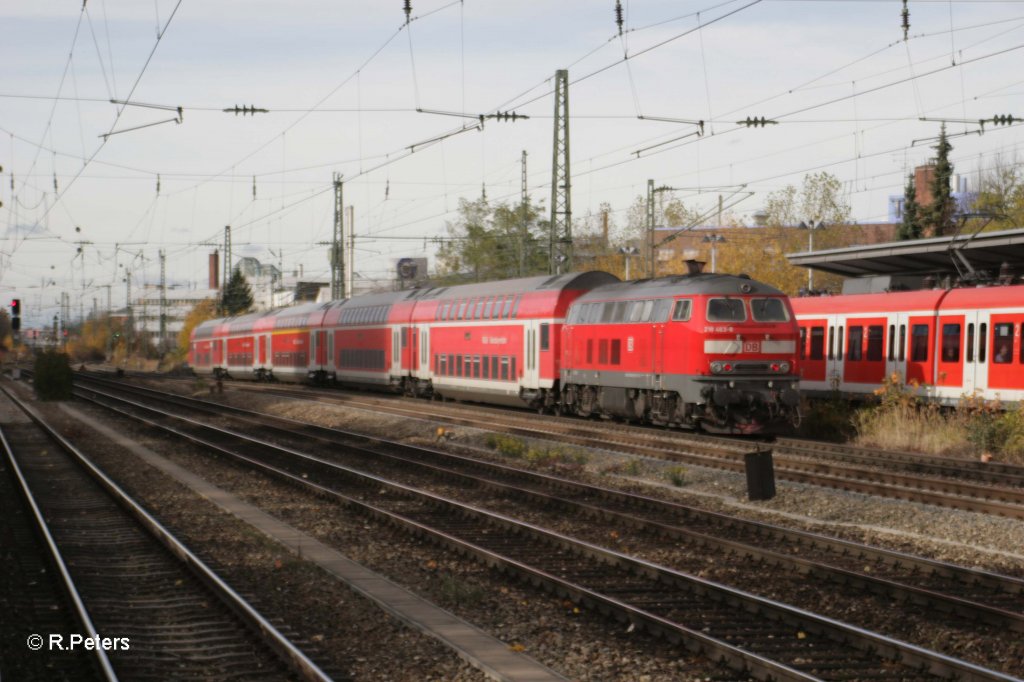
868	643
269	634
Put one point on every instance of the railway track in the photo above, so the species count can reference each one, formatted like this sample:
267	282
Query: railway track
164	612
751	633
969	487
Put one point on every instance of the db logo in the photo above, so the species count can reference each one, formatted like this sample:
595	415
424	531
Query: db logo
751	346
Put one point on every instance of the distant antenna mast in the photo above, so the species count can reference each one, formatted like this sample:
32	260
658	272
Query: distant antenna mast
618	14
560	241
408	10
906	19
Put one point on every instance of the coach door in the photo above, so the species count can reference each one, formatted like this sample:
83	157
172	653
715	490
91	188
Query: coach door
835	350
977	349
531	375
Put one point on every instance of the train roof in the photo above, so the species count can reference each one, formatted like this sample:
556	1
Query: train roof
680	285
968	298
572	280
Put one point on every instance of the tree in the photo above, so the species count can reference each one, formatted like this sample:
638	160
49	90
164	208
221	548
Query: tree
818	200
201	312
939	214
493	243
1001	192
237	297
910	228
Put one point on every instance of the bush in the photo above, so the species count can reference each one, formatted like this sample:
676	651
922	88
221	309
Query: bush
52	376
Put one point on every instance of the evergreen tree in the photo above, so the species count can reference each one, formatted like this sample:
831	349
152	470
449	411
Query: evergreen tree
237	298
910	228
940	213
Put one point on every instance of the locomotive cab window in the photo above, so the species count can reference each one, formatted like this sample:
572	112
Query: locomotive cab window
769	310
726	310
681	312
1002	346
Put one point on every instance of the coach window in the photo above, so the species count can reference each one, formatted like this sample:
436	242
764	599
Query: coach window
515	306
461	314
494	366
506	307
513	375
1002	346
875	333
681	313
479	309
768	310
803	343
839	344
439	364
902	352
892	342
458	365
951	343
853	353
405	337
545	336
486	368
969	355
817	343
919	343
488	308
504	367
831	342
476	366
726	310
982	341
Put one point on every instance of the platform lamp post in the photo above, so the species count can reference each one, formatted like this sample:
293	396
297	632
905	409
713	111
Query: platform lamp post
811	227
714	240
628	251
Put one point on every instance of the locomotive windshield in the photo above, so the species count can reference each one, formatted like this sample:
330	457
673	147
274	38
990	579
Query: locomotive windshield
769	310
726	310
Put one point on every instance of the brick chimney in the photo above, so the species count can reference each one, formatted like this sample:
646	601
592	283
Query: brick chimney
923	177
215	270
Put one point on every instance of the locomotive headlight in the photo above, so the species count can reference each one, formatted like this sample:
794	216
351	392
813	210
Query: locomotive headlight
784	367
716	367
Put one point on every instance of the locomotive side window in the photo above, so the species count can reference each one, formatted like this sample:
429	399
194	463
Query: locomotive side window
853	353
602	352
768	310
951	343
619	314
681	313
726	310
1002	349
875	333
919	343
607	311
590	351
661	308
616	351
648	310
817	343
903	343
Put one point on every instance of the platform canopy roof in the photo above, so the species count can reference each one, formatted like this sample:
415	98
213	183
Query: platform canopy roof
983	251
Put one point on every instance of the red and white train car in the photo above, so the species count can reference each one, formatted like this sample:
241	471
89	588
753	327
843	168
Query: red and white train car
716	352
709	351
953	342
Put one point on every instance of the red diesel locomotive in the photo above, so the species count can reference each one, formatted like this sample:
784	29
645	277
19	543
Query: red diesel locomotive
952	342
709	351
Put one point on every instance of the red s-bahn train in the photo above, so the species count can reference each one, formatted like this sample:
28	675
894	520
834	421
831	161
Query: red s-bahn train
716	352
952	342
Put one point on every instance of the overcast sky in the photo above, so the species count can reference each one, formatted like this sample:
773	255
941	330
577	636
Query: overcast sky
343	80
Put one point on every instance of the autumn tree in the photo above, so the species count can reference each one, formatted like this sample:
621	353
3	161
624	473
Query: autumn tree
1001	194
237	296
761	252
201	312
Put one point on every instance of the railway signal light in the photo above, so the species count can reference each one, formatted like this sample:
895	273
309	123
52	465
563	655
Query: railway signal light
16	314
